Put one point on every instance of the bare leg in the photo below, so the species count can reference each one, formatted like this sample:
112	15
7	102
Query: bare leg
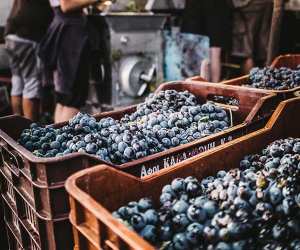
31	108
64	113
247	65
16	103
58	113
215	64
69	112
205	69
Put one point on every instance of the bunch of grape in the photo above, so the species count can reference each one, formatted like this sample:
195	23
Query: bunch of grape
165	120
255	206
274	78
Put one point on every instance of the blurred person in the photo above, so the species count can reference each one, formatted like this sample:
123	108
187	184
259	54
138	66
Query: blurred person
65	51
27	23
251	30
211	18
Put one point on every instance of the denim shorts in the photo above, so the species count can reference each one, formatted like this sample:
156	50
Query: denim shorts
25	67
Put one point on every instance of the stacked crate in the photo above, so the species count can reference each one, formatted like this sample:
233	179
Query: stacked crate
35	202
94	196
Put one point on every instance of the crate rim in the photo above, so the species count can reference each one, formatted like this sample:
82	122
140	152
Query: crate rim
245	77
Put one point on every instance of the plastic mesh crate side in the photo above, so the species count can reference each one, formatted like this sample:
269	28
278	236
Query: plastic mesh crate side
81	216
54	234
13	159
10	215
20	209
50	203
59	202
13	242
13	224
82	242
10	191
39	233
97	236
93	229
25	187
34	246
7	188
54	174
38	198
7	170
28	214
15	164
20	239
3	233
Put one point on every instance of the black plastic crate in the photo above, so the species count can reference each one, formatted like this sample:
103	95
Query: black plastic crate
29	227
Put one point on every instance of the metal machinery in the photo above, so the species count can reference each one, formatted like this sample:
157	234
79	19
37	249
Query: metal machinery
130	60
165	5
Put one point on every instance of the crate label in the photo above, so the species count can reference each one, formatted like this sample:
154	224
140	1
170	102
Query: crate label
176	158
149	171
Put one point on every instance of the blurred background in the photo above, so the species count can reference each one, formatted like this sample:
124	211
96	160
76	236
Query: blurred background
142	43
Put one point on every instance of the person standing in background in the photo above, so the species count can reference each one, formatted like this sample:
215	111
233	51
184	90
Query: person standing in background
26	25
65	51
211	18
251	30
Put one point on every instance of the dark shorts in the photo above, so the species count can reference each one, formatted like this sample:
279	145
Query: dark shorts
79	91
251	30
65	50
211	18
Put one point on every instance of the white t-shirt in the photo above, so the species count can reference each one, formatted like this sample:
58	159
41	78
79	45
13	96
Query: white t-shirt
54	3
